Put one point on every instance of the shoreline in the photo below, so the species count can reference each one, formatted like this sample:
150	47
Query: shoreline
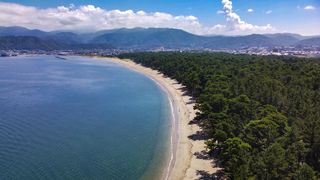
183	161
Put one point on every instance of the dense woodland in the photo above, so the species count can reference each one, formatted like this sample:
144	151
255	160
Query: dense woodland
260	114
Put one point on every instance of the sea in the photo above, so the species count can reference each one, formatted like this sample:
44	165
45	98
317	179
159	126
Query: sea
80	118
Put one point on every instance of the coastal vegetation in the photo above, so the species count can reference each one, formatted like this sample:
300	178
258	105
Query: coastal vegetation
260	115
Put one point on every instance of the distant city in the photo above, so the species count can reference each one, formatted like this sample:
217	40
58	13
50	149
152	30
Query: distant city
281	51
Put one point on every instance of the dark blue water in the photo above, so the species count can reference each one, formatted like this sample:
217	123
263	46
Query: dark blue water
79	118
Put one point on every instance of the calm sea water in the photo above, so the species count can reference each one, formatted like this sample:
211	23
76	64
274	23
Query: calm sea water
79	118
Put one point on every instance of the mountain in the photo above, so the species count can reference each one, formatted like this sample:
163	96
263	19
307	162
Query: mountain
309	42
174	38
285	39
29	43
238	42
36	43
149	38
21	31
66	37
143	39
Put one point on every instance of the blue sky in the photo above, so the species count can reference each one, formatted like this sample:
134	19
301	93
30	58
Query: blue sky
297	16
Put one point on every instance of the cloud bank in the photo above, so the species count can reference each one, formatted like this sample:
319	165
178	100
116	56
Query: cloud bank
89	18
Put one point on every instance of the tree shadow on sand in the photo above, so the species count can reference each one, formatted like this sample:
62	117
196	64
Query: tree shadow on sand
202	155
204	175
199	135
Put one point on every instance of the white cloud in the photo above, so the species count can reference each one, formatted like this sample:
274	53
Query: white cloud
90	18
269	12
309	7
250	10
235	24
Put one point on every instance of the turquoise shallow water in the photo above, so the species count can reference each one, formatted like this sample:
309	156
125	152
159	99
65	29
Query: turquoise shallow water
79	118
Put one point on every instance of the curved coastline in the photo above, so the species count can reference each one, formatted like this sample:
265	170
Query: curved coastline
183	162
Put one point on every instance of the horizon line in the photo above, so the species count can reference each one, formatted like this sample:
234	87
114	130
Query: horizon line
132	28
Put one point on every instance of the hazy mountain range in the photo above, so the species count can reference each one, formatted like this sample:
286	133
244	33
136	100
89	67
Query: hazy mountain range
143	39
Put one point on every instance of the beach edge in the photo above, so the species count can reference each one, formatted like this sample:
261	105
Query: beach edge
183	163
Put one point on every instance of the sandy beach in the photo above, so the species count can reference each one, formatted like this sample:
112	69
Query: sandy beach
188	159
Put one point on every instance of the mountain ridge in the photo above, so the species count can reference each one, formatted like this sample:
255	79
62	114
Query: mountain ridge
145	39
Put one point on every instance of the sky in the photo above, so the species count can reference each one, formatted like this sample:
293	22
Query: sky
203	17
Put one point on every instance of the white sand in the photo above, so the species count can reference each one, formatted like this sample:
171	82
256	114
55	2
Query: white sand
183	163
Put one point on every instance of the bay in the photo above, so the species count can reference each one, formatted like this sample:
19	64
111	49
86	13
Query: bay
80	118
